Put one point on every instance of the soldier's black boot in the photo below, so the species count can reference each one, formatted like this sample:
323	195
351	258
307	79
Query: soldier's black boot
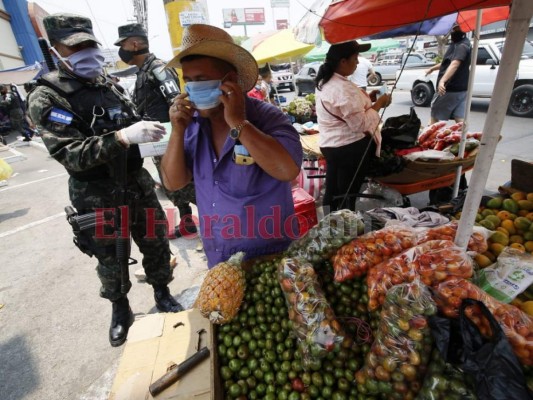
164	301
121	321
186	226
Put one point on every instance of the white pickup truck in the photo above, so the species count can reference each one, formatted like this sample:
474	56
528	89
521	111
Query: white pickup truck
488	60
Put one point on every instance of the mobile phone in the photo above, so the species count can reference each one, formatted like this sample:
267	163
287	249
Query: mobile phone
241	156
383	90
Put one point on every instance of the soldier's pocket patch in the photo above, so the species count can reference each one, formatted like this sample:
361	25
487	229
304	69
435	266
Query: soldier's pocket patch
58	116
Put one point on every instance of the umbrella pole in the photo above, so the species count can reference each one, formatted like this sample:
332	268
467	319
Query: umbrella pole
473	62
519	19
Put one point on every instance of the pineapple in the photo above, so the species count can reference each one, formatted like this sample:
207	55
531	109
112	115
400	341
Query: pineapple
222	291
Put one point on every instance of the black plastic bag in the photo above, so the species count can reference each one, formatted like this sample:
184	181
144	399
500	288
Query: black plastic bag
401	132
491	363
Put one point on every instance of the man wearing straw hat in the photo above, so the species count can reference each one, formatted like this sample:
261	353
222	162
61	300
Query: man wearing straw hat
242	153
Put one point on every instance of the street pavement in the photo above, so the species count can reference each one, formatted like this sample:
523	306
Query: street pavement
54	325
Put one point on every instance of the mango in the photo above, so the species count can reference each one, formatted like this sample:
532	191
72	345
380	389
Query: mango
510	205
530	216
523	213
479	217
487	211
496	248
508	225
499	237
490	256
528	236
525	205
482	260
518	196
488	224
518	246
495	202
529	246
531	228
522	223
516	239
512	216
494	219
503	230
529	197
503	214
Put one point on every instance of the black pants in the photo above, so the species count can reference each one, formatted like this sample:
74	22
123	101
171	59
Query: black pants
341	165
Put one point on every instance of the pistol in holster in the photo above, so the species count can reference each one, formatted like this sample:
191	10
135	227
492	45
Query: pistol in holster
82	227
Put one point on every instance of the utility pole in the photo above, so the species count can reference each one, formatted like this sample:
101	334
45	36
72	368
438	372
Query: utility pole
140	12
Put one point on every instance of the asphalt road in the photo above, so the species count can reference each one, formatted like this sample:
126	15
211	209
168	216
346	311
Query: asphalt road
53	325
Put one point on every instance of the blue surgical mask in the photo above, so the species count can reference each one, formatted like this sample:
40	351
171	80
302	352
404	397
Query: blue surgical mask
204	94
87	63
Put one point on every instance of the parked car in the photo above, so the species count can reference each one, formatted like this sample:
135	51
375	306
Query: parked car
422	87
305	79
389	66
282	76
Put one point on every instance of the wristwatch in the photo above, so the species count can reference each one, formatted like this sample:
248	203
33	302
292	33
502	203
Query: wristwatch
235	132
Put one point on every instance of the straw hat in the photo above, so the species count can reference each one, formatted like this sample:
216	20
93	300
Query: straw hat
207	40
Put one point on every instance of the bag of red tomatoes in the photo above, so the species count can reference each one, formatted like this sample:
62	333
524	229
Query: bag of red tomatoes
356	257
431	262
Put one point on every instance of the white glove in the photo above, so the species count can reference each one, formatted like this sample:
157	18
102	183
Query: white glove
142	132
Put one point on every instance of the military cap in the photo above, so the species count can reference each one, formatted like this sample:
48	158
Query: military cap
130	30
69	29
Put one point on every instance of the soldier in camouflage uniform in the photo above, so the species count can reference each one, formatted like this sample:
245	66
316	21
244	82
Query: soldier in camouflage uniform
82	117
155	88
13	104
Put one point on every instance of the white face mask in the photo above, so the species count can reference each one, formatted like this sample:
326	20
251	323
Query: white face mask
87	63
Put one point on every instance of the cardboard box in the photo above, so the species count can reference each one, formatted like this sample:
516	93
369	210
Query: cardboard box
153	345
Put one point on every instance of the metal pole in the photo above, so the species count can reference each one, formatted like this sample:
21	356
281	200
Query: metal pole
521	13
473	62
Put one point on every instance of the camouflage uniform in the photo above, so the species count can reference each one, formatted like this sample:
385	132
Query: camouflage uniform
12	104
153	103
89	154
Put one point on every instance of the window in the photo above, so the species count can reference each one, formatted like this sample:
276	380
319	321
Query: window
482	56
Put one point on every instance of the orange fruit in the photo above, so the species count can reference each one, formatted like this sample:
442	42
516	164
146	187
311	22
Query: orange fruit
519	196
508	225
482	260
518	246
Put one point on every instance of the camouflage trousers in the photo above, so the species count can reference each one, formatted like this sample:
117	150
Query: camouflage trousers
180	198
147	224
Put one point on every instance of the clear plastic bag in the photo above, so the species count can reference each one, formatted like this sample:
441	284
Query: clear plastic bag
477	242
389	197
312	317
444	382
322	241
431	262
355	258
517	325
398	359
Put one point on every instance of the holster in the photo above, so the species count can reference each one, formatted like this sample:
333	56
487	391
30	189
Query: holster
82	227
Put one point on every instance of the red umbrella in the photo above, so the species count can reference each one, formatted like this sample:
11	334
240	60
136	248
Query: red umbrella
350	19
467	19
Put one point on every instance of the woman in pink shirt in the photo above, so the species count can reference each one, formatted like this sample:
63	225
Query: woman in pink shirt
348	121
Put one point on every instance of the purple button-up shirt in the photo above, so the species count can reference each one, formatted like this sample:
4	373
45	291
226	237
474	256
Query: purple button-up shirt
241	207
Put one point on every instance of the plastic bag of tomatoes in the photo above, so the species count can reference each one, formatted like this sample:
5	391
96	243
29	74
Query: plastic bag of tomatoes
517	325
477	242
313	320
355	258
432	262
323	240
398	359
